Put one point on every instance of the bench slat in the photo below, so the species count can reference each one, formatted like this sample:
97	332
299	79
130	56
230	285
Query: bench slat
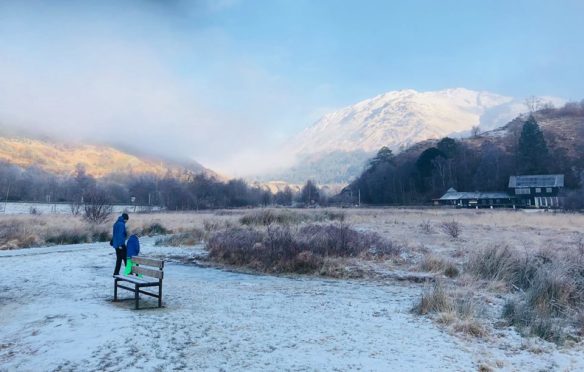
135	279
148	262
148	272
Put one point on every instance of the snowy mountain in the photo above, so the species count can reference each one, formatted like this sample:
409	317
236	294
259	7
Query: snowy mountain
400	118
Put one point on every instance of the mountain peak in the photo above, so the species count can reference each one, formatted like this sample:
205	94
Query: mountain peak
399	118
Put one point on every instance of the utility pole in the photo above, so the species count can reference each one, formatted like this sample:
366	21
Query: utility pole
6	200
359	197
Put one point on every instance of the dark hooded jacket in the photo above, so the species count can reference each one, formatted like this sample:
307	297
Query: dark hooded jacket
119	234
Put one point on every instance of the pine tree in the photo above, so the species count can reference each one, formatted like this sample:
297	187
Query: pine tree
532	151
384	155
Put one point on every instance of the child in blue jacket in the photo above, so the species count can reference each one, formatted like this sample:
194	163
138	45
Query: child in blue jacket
133	249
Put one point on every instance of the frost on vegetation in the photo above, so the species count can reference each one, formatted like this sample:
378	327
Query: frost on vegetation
265	217
302	249
191	237
452	308
547	289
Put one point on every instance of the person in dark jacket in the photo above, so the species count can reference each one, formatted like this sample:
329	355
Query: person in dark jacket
132	250
119	241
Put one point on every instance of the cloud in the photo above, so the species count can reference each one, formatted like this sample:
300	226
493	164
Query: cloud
145	79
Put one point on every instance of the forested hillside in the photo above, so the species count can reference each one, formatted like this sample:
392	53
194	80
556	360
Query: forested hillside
547	141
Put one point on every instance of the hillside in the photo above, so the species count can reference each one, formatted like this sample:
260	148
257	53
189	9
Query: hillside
98	160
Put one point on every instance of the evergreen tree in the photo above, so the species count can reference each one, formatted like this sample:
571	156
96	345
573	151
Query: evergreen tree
384	156
532	151
448	146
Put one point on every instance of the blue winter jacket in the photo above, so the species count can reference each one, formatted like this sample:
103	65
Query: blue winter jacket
133	246
119	234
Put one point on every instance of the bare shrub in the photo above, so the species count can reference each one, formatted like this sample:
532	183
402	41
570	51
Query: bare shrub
97	207
75	208
280	248
235	246
451	228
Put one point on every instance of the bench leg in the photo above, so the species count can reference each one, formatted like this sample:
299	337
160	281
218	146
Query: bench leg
160	295
115	290
136	295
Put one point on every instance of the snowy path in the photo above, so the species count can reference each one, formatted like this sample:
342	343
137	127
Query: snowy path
57	314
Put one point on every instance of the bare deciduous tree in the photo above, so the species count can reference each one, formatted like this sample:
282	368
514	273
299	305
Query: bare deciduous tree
97	207
475	131
533	103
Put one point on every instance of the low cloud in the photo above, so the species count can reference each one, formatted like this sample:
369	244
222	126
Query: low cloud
149	80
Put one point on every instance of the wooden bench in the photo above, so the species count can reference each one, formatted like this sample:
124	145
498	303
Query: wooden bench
145	267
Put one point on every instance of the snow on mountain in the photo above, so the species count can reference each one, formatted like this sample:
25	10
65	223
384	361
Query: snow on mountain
401	118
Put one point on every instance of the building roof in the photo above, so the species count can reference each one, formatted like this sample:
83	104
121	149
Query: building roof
542	180
455	195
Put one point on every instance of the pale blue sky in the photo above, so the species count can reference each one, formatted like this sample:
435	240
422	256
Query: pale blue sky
218	80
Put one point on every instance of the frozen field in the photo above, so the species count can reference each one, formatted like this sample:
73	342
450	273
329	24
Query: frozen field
60	208
57	314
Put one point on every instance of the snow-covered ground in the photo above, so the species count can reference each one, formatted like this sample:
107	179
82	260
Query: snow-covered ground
57	314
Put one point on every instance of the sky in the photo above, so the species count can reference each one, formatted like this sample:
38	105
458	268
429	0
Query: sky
226	82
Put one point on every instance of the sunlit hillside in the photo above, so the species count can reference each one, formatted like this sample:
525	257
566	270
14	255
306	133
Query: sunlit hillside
98	160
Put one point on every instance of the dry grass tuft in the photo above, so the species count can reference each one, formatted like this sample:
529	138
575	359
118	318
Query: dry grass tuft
452	308
435	300
435	264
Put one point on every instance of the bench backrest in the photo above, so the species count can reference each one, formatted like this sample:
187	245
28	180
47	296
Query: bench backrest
148	267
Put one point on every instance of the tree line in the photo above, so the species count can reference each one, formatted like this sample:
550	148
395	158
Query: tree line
187	191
